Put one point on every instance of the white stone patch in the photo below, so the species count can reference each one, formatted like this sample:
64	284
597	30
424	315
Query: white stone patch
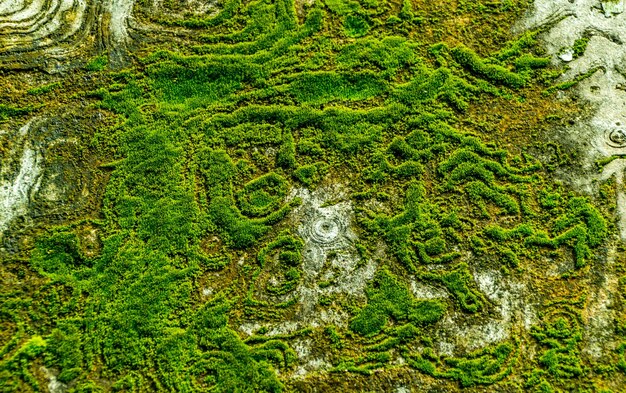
56	30
480	336
600	324
249	328
602	135
612	7
508	296
514	310
567	55
286	327
54	385
424	291
446	348
302	347
59	28
458	333
601	312
18	186
11	6
617	168
308	363
195	7
119	12
312	365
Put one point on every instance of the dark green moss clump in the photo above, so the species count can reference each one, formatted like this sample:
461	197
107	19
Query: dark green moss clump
388	298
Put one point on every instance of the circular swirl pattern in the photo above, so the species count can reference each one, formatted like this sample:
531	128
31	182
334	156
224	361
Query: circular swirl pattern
47	33
616	137
326	229
27	25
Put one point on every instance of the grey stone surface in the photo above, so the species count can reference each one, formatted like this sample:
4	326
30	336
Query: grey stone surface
601	133
598	135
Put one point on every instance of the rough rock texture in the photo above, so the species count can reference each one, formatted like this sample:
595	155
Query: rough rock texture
21	183
205	195
598	29
602	59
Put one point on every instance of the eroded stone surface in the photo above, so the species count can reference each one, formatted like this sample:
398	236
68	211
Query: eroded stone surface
57	35
330	254
599	136
54	385
513	310
45	173
324	221
603	134
18	182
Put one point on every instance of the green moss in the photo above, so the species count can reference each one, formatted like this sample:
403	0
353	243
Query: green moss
570	84
209	140
492	72
9	111
14	375
342	7
388	298
560	335
356	26
579	47
238	231
516	47
97	64
262	195
321	87
482	367
310	174
201	83
440	84
389	54
286	156
458	283
44	89
334	336
64	350
529	61
227	363
282	258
